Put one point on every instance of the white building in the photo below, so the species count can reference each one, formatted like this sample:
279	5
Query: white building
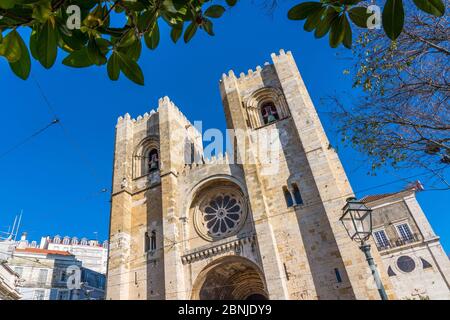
50	274
8	277
91	253
412	254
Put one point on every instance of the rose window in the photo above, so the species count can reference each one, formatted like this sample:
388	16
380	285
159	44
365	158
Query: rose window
221	214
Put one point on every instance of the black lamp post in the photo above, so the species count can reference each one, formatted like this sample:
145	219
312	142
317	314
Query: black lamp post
357	221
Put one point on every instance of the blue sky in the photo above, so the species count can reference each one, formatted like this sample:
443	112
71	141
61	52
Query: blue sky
57	177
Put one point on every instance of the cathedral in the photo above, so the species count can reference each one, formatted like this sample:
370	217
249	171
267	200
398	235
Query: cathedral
234	225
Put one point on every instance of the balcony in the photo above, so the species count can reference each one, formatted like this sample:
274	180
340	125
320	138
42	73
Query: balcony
400	242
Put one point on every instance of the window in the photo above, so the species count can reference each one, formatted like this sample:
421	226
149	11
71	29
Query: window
338	275
63	276
84	242
269	113
66	240
153	241
405	232
19	271
63	295
153	160
146	242
297	195
381	239
406	264
39	295
57	240
288	197
42	278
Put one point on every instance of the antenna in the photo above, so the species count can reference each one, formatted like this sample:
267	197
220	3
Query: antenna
14	225
18	225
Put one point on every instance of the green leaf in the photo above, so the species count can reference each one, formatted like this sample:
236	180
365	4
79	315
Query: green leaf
393	18
113	67
303	10
359	16
152	37
7	4
434	7
146	19
215	11
130	68
208	26
78	59
176	33
313	19
325	24
46	45
94	53
190	32
42	11
134	51
347	41
231	3
128	38
22	66
10	47
33	44
337	31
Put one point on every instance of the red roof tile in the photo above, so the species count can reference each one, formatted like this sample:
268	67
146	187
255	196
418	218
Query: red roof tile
376	197
44	251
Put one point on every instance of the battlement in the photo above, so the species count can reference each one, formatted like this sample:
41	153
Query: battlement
257	71
163	102
143	118
220	159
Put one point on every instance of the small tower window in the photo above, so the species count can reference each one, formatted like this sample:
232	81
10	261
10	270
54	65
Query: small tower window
153	160
153	241
338	275
297	195
288	197
146	242
269	113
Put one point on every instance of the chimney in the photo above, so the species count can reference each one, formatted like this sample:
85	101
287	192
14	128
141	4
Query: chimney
44	243
23	243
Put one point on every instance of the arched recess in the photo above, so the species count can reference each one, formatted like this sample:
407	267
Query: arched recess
262	97
230	278
142	154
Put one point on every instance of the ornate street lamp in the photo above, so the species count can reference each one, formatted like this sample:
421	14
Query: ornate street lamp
357	221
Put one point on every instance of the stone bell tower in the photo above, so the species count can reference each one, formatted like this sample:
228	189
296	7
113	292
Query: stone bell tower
305	251
185	225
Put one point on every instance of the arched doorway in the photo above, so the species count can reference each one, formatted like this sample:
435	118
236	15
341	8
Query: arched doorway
230	278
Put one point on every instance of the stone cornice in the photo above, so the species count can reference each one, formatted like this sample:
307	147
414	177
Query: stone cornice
219	248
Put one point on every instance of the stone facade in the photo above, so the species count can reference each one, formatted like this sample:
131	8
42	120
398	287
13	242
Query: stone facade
412	254
234	226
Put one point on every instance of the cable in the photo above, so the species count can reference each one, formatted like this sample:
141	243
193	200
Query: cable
304	206
66	133
34	135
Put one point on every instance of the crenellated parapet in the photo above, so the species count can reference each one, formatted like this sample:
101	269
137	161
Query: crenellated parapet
165	102
251	73
220	159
